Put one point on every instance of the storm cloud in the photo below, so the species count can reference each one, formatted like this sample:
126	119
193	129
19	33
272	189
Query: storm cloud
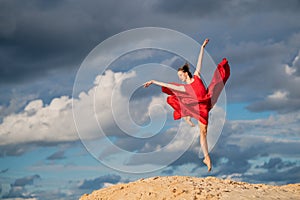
43	43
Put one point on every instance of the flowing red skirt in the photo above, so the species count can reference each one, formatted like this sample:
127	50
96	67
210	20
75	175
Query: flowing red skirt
197	100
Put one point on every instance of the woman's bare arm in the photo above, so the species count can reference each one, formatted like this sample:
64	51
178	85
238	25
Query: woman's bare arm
179	88
200	58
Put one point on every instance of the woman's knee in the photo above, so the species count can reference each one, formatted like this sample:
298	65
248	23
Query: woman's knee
203	132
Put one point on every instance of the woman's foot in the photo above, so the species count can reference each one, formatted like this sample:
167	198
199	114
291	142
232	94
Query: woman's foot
207	162
189	121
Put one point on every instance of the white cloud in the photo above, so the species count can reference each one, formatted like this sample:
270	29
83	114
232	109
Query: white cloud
15	104
54	122
39	123
108	102
289	70
278	86
280	129
183	140
278	95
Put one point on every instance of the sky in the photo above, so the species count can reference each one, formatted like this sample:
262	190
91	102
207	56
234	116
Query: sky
74	117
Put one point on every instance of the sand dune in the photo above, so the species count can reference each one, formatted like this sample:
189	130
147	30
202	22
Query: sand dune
191	188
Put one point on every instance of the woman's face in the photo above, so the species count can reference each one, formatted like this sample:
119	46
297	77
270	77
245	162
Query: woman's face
182	75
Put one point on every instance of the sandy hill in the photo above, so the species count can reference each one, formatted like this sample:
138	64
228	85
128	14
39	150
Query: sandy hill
191	188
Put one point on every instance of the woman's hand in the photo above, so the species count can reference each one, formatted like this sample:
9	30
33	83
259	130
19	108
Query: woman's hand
205	42
147	84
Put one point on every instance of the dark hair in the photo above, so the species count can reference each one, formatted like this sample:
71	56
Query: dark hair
186	68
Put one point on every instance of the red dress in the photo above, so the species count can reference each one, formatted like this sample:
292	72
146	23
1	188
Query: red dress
197	100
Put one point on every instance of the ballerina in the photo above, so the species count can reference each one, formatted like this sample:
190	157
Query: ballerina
193	99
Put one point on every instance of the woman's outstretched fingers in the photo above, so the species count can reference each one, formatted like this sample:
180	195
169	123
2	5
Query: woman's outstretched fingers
205	42
147	84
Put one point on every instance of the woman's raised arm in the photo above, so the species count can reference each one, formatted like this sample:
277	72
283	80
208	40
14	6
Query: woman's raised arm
179	88
200	58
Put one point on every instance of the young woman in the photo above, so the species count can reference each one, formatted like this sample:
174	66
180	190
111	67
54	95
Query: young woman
193	99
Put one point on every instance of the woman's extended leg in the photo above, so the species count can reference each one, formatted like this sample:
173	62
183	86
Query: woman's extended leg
204	146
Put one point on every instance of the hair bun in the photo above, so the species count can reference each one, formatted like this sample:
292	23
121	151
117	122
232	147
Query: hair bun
186	67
